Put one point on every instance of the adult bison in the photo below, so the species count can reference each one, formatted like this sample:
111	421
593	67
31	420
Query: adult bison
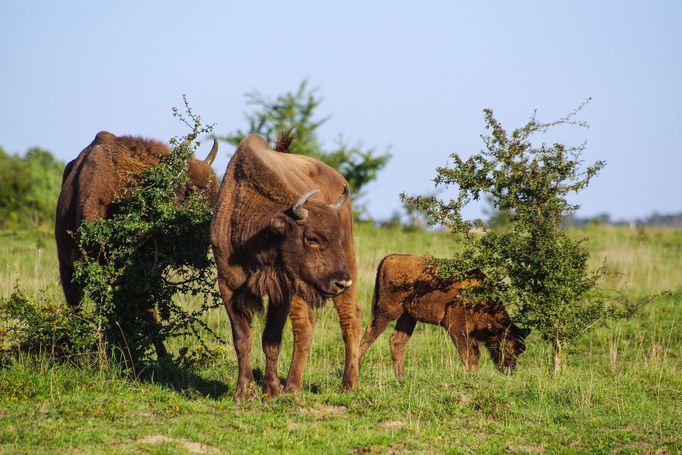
282	227
97	177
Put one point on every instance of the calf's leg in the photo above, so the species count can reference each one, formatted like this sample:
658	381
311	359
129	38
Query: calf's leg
403	331
467	348
374	329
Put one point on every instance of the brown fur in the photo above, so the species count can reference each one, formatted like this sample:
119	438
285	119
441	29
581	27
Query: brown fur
97	176
408	290
261	248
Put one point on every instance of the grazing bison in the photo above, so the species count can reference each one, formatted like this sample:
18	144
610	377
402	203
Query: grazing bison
282	227
407	289
97	177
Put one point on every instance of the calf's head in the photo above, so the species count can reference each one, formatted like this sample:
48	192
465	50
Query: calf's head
313	242
510	343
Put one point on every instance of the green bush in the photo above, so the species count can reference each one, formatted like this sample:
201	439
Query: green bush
38	325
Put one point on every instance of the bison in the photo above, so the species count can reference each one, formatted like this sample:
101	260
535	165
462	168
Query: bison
93	180
407	289
282	228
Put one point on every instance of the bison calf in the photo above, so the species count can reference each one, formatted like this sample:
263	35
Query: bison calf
408	290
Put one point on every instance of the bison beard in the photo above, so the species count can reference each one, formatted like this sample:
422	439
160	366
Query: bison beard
280	229
279	286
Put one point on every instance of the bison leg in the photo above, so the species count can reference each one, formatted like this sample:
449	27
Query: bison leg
467	348
372	332
303	325
403	331
240	322
72	292
155	335
350	318
272	343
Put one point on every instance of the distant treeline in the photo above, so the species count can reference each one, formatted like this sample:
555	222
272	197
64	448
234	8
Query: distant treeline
654	220
30	184
29	187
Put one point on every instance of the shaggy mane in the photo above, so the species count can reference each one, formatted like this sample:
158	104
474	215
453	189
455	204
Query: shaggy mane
142	148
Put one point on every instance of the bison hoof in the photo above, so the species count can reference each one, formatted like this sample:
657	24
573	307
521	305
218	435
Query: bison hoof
245	392
350	384
290	388
272	390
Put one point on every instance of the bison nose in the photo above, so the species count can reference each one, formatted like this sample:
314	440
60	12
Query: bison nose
342	285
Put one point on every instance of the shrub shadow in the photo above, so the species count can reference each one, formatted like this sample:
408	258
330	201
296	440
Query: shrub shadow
183	380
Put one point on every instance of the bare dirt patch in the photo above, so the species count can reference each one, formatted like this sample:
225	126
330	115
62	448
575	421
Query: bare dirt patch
463	400
527	448
190	446
392	424
293	426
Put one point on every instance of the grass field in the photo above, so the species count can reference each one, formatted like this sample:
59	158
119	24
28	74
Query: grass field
621	390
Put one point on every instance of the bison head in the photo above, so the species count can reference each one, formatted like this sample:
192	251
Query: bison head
312	243
510	344
201	175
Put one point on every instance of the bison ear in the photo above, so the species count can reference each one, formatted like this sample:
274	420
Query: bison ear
280	224
525	332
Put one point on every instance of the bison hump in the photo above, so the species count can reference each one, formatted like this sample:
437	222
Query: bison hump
281	177
104	136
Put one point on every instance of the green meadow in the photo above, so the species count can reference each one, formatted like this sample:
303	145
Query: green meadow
620	392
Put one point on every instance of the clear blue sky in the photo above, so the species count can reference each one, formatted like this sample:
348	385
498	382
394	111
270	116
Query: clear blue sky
413	76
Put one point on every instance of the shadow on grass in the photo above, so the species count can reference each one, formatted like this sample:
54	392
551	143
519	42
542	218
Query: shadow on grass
185	381
315	389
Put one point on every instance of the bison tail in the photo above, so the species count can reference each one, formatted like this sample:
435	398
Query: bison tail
375	301
377	290
284	140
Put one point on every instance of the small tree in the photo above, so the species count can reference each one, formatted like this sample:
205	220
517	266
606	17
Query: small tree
296	111
533	265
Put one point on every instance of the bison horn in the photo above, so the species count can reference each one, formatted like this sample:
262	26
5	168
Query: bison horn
339	202
297	209
212	154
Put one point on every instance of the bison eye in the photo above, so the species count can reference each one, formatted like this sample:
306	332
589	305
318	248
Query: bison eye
312	241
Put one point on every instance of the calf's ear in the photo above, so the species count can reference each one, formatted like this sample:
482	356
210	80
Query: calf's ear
525	332
280	224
